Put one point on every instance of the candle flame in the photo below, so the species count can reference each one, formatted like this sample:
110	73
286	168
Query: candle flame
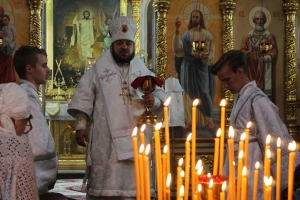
244	171
168	182
182	174
224	186
233	163
158	126
268	152
181	193
243	136
189	137
199	164
256	165
199	172
147	149
241	154
199	187
167	101
143	127
266	181
292	146
270	180
208	175
249	124
134	132
195	102
180	161
268	140
231	132
211	183
166	149
219	132
141	148
278	142
223	103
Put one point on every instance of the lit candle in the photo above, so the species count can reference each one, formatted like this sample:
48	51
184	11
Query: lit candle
239	181
198	167
231	185
158	161
278	169
141	169
136	164
210	192
168	183
216	152
167	134
181	193
268	163
246	152
268	191
244	183
195	103
241	142
255	186
147	173
222	193
268	140
179	180
199	188
222	104
164	171
292	147
142	135
187	167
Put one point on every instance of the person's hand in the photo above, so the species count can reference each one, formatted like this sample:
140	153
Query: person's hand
82	137
148	100
177	23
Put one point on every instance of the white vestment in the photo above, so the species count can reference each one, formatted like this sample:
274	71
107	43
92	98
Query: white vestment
251	104
17	177
41	141
110	152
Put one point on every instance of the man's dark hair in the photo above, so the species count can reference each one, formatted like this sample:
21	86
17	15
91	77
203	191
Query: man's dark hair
234	59
202	24
26	55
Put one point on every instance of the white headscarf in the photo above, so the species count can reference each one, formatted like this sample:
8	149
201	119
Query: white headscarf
14	103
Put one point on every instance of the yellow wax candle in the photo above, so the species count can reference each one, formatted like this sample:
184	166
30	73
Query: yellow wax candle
268	163
136	164
216	152
142	135
246	151
278	169
193	159
268	140
230	141
198	167
195	196
244	183
167	134
199	188
241	143
181	193
164	171
292	147
239	181
210	192
158	161
222	104
147	173
255	181
141	169
222	193
178	182
187	167
268	189
168	183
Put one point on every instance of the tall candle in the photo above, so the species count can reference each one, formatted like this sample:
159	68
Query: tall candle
198	166
268	163
179	182
239	181
222	104
147	173
278	169
187	167
244	183
255	181
216	152
194	123
181	193
246	152
268	140
167	134
292	147
199	188
164	171
136	164
210	192
222	193
142	135
168	183
230	141
141	169
158	160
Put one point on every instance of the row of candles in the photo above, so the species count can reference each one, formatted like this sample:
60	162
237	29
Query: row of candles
239	191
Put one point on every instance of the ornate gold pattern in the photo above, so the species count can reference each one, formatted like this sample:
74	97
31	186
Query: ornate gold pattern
290	8
35	7
161	8
136	17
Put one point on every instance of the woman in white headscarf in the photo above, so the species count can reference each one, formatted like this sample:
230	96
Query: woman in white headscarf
17	176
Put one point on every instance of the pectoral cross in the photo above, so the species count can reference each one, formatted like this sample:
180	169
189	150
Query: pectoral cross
124	95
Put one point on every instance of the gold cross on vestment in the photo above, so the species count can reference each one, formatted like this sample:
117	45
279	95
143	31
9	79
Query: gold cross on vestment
124	95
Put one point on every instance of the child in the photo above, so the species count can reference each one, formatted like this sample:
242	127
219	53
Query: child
9	35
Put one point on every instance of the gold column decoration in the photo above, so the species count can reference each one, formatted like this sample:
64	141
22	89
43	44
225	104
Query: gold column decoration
161	8
227	7
136	16
35	7
290	8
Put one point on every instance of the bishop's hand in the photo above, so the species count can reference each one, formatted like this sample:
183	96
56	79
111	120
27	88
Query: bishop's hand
82	137
148	100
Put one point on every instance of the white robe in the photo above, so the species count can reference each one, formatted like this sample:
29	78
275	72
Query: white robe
41	142
111	172
251	104
17	177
